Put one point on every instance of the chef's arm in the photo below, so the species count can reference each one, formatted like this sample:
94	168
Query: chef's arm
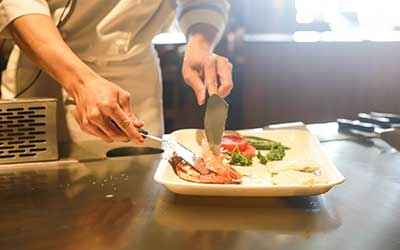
45	47
100	103
203	22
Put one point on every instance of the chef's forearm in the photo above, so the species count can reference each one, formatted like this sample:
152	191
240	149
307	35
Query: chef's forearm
39	38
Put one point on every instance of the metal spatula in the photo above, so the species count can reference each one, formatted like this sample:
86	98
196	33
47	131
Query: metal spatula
214	121
180	149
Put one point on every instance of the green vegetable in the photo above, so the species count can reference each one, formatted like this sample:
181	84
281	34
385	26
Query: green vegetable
238	159
276	153
263	160
259	145
256	138
262	143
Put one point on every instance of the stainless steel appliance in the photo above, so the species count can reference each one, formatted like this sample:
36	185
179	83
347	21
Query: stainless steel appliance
28	130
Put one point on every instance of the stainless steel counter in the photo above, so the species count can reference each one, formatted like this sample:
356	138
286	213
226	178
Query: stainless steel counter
115	204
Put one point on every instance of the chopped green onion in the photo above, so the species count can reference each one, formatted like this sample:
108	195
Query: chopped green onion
238	159
263	160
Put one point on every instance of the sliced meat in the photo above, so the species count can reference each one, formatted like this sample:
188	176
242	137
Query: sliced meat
200	166
249	151
208	169
233	142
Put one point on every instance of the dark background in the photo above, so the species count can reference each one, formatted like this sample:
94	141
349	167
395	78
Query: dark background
280	80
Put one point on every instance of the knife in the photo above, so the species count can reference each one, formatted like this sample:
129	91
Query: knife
393	118
382	122
214	121
369	130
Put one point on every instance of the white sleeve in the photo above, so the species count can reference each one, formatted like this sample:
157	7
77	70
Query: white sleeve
12	9
212	12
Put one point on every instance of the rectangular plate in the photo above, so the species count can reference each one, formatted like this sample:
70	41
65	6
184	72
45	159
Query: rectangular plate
304	147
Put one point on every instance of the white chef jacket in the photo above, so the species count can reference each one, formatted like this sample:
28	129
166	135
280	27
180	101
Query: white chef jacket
114	38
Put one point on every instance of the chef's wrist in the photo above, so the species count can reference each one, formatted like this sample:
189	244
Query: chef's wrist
198	41
63	65
76	76
203	36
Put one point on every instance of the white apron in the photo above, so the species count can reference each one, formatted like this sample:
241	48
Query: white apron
114	38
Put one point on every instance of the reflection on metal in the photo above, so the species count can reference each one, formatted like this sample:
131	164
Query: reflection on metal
133	151
143	215
295	215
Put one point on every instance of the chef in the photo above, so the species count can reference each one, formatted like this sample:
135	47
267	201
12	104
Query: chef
97	58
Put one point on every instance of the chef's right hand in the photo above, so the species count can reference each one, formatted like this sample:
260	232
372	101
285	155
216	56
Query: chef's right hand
103	109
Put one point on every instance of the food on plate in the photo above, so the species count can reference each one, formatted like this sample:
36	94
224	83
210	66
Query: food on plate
276	150
263	144
240	150
238	159
302	166
247	160
234	142
275	154
237	150
293	178
209	168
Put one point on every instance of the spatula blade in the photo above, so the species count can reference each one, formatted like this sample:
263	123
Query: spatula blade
214	121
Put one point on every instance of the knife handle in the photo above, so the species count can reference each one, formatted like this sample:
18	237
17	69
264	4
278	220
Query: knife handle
345	124
382	122
393	118
143	132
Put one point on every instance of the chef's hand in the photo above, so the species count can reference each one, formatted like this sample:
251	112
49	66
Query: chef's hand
205	71
104	110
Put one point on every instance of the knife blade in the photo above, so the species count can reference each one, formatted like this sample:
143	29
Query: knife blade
214	121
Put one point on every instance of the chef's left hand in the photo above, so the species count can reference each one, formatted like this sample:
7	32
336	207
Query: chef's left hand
205	71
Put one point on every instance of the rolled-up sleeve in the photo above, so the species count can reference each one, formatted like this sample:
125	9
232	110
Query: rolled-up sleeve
12	9
212	12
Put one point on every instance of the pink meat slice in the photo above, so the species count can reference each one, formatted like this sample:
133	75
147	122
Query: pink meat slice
209	169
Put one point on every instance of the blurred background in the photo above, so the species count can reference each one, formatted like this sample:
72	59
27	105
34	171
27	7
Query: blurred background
298	60
295	60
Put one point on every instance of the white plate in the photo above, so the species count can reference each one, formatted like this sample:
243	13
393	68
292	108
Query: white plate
304	148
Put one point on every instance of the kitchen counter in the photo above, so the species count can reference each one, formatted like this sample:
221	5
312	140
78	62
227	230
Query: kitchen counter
115	204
